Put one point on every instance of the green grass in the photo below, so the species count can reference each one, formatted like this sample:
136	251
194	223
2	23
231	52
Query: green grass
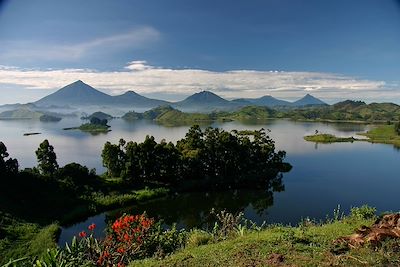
328	138
300	246
22	239
385	134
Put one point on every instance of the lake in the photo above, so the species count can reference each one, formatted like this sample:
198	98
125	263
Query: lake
323	176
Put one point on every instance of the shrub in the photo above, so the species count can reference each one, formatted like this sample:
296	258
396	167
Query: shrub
363	212
198	238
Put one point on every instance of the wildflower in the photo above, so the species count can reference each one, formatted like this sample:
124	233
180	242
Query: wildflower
92	227
121	250
120	264
82	234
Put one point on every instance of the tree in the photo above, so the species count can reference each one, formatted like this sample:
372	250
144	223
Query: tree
7	166
114	158
47	158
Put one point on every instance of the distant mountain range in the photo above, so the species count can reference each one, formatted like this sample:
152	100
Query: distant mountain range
80	94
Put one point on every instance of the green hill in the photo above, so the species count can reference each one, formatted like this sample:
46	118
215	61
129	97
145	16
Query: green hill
132	116
22	113
349	111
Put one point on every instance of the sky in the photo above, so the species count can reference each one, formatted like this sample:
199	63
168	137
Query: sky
169	49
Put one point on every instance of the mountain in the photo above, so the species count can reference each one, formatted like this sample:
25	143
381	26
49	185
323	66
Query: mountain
204	101
308	100
77	93
266	101
82	94
131	98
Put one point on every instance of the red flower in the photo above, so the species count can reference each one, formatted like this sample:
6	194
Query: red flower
82	234
121	250
120	264
92	227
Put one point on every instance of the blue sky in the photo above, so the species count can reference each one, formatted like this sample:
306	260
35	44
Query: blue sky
332	49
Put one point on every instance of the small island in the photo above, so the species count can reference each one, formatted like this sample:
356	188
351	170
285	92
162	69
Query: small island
95	125
329	138
384	134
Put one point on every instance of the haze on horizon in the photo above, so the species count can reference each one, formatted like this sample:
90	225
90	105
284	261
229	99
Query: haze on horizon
168	50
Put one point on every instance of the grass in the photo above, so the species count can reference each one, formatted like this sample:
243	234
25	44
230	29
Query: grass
328	138
24	239
385	134
299	246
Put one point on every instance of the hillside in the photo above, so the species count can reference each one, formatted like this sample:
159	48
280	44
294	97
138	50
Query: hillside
77	93
308	100
267	101
100	115
132	98
349	111
253	113
204	101
22	113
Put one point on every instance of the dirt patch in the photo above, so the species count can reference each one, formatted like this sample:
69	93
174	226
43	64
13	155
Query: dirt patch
386	227
275	259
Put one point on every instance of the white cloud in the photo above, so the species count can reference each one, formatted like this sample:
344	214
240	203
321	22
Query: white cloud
138	65
134	38
145	79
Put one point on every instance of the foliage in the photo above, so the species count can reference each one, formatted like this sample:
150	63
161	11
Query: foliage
216	156
306	245
130	237
97	121
113	158
363	212
397	128
198	237
47	158
8	167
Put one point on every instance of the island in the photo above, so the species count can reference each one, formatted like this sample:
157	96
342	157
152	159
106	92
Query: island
384	134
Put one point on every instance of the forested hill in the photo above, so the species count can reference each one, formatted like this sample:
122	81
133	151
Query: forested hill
349	111
343	111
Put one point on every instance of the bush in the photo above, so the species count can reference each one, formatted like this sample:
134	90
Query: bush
198	238
363	212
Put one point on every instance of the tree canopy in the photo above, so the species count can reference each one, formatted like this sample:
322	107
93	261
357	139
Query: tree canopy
47	158
215	156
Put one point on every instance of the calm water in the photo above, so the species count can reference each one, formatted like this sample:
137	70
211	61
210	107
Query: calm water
323	175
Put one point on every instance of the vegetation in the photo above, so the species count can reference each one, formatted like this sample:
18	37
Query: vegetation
47	159
309	244
95	125
99	115
215	157
343	111
328	138
137	240
49	118
132	116
348	111
21	113
387	134
32	199
35	198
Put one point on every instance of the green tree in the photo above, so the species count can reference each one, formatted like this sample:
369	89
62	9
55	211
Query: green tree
7	166
47	158
114	158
